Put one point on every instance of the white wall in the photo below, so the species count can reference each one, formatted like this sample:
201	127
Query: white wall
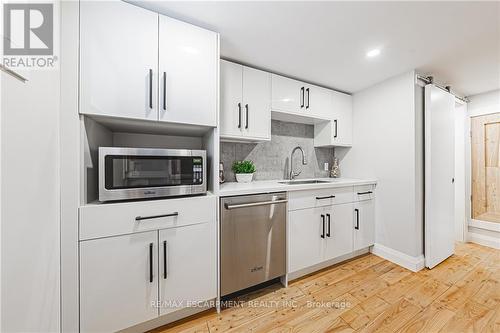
30	203
485	233
387	145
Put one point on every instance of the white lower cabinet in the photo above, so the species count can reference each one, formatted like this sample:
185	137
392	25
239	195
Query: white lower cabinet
187	266
339	231
364	224
305	242
118	281
129	279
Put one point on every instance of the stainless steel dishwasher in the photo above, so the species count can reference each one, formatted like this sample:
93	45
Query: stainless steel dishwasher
253	240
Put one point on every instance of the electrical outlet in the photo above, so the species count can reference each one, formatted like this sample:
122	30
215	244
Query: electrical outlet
326	166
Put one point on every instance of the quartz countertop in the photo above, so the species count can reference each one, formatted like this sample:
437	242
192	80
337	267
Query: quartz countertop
266	186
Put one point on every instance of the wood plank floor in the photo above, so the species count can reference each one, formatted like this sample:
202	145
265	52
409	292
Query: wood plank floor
370	294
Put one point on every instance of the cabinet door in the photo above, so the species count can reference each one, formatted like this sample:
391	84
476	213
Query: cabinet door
187	266
342	119
257	103
189	62
339	231
118	60
118	281
231	99
319	101
305	245
287	95
364	224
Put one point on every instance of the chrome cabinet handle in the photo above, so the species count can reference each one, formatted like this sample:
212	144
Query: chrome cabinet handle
12	73
140	218
253	204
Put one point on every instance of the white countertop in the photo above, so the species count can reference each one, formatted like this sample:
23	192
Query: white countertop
264	186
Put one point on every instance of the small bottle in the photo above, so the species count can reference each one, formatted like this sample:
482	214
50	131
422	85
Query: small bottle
221	173
335	171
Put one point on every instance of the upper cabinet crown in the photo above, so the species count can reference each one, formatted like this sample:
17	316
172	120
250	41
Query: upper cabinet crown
245	103
146	66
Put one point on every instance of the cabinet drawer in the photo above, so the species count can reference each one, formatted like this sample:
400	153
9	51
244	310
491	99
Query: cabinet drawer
365	192
104	220
319	198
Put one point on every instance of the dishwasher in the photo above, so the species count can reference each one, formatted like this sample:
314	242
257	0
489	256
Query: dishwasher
253	240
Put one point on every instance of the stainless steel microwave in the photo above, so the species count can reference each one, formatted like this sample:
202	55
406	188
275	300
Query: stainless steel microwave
139	173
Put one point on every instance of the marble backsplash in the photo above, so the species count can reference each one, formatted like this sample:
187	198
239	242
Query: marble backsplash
272	158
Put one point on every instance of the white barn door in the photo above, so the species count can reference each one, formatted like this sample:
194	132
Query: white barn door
439	175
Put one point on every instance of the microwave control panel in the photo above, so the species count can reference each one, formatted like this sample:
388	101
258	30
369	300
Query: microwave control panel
197	170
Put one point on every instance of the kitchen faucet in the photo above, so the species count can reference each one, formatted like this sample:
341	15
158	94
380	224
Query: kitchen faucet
304	162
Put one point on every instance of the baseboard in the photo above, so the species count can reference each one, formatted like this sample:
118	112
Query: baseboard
484	240
399	258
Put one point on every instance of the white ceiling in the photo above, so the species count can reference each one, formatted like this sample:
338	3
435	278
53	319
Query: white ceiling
326	42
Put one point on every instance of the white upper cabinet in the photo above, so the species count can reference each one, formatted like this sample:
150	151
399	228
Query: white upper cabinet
288	95
188	67
245	103
137	64
118	60
320	101
338	131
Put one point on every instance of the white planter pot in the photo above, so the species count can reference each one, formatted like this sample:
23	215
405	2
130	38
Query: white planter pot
244	177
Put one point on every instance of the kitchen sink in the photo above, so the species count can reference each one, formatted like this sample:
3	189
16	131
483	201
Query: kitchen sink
301	182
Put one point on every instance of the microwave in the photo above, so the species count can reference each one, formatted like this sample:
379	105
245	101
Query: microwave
141	173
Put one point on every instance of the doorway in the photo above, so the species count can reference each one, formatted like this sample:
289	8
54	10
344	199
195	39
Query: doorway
485	167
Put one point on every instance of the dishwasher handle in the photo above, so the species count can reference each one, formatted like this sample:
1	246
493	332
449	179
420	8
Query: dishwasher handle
253	204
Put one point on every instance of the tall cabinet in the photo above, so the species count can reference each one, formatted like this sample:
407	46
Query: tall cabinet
147	66
245	105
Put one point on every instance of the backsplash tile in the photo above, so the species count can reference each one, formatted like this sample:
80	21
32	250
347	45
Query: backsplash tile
272	158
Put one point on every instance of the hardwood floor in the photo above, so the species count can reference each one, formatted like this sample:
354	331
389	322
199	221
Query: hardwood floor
370	294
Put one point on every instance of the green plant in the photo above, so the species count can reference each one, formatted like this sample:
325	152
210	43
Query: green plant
243	167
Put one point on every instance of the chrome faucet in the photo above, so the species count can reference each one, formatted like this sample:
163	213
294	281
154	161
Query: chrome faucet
304	162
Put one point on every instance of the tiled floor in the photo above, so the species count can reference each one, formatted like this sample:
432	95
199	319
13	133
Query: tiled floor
370	294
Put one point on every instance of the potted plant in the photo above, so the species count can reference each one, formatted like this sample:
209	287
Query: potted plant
244	171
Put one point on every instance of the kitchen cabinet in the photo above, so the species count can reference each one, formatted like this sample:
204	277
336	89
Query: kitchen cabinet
245	103
339	240
147	66
188	68
300	98
188	266
364	224
118	60
338	131
118	281
306	244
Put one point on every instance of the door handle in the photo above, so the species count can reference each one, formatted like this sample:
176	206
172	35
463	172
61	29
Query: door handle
164	259
246	108
151	262
307	106
140	218
253	204
357	219
150	88
323	224
336	129
328	232
165	91
301	97
239	115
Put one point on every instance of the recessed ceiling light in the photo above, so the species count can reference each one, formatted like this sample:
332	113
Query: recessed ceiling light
372	53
